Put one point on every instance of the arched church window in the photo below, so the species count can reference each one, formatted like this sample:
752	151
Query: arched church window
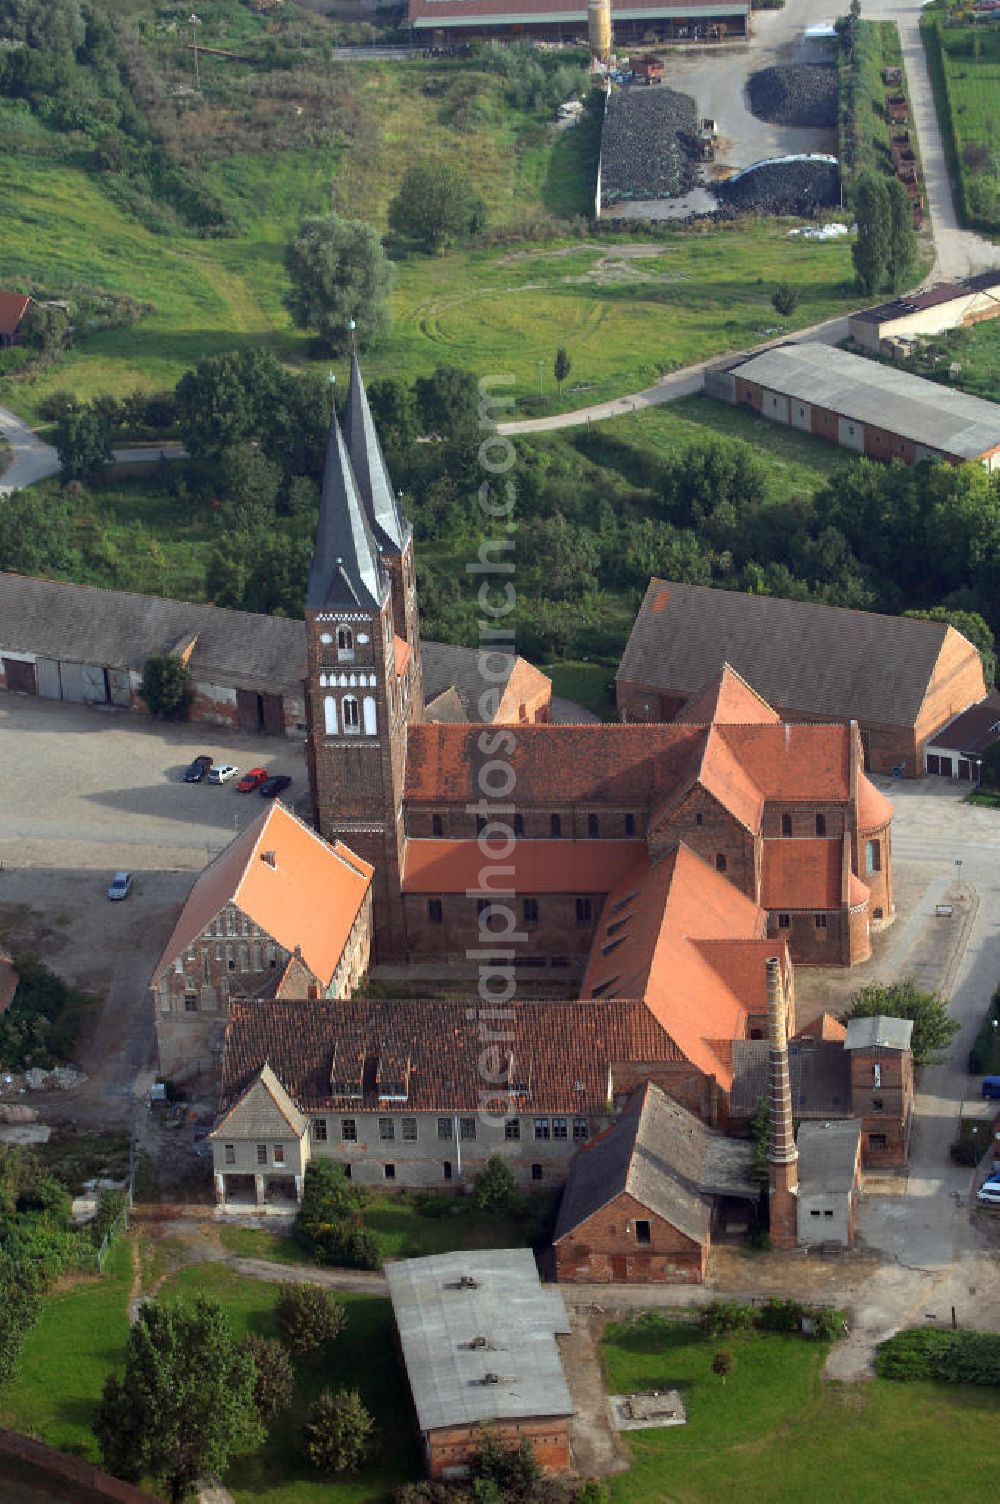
345	644
352	720
330	715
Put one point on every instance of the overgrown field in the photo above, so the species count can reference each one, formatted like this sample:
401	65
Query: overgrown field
773	1431
964	63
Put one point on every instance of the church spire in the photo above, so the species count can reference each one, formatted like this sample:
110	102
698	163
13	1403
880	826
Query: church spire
346	570
363	445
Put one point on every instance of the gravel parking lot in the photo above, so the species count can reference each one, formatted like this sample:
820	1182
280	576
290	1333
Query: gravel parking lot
87	791
100	788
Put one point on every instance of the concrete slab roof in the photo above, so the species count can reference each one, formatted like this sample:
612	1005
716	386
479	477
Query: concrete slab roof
880	1033
828	1156
478	1337
855	388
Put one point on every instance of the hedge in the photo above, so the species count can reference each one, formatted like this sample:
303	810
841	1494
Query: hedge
949	1357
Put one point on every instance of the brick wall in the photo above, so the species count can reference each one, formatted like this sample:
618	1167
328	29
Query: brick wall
711	831
454	822
890	1120
640	702
605	1248
453	1447
813	945
557	934
689	1086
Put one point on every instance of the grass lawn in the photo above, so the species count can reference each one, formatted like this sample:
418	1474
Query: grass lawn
402	1230
77	1340
588	684
988	798
363	1356
964	63
775	1433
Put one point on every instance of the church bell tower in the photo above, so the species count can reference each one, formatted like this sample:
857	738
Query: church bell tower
363	648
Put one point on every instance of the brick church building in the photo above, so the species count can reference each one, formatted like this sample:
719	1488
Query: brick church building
774	825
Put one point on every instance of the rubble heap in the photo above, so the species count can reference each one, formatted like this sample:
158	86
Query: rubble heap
803	94
649	147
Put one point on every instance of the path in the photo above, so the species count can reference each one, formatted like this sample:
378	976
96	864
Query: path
34	460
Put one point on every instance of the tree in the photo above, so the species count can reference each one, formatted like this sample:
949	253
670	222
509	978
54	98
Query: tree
83	443
274	1384
562	366
250	483
339	273
933	1029
338	1432
227	398
902	236
448	401
33	531
873	246
514	1471
184	1404
785	299
496	1189
972	626
394	411
308	1318
166	686
436	206
45	327
722	1364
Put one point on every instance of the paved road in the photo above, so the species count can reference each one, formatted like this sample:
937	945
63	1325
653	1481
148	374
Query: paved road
34	460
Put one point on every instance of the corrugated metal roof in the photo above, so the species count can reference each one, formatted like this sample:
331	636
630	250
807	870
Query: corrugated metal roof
855	388
463	1316
426	14
879	1032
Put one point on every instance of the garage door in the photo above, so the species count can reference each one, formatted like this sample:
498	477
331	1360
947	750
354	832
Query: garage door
20	676
248	710
273	714
47	670
71	678
933	763
95	685
120	687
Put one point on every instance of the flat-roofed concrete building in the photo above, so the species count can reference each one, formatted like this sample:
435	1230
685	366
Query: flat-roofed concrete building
874	410
829	1181
946	305
478	1333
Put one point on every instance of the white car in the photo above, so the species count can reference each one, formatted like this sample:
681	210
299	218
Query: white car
222	772
989	1192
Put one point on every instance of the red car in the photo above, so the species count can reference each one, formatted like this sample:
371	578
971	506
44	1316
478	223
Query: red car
251	780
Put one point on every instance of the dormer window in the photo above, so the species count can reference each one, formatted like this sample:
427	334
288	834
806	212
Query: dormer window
352	720
345	644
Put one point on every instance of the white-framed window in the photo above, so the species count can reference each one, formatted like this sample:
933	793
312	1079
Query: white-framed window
352	719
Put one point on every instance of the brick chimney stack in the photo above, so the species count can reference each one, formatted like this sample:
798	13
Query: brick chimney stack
782	1155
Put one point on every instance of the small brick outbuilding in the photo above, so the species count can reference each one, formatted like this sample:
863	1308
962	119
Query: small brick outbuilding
640	1201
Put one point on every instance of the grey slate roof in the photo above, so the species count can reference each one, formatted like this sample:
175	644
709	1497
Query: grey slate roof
818	660
346	570
828	1154
439	1321
446	667
370	470
264	1110
879	1033
820	1072
859	389
81	624
666	1158
971	731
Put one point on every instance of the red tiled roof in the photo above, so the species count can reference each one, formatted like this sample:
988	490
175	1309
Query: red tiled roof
874	809
824	1027
402	654
740	964
532	867
13	307
556	765
562	1052
794	760
647	946
724	776
802	874
726	699
310	898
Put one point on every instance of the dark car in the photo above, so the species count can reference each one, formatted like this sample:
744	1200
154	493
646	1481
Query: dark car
276	785
196	772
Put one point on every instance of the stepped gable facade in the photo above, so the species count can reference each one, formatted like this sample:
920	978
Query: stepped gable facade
900	679
780	814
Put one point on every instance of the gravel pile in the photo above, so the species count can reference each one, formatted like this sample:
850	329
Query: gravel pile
649	147
789	187
804	94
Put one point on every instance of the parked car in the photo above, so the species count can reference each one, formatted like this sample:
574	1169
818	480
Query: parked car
275	785
196	772
991	1087
121	886
252	779
223	772
989	1192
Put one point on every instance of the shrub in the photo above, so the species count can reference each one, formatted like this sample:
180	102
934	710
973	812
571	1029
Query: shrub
726	1316
496	1189
965	1151
985	1046
338	1432
949	1357
308	1318
166	687
275	1382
